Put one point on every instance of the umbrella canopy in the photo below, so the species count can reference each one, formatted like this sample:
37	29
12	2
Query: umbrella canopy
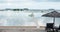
53	14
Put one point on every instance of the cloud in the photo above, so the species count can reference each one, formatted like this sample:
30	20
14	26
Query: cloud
3	1
41	5
30	4
47	0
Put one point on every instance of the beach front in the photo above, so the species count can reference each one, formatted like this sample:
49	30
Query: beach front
22	21
20	29
29	15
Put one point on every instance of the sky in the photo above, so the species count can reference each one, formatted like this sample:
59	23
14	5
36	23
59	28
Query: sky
32	4
22	18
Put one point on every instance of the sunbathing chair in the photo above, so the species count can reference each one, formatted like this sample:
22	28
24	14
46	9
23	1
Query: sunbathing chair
59	27
49	27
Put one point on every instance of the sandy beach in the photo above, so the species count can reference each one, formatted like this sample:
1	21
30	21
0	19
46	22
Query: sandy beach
21	29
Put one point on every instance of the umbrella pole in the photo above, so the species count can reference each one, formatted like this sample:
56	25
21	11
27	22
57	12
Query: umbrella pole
53	23
54	20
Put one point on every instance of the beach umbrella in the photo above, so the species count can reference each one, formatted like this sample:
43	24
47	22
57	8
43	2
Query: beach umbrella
53	14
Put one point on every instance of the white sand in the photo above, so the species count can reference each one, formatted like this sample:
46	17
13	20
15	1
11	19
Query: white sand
21	29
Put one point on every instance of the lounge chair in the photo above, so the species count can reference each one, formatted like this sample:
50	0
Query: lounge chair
59	27
49	27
